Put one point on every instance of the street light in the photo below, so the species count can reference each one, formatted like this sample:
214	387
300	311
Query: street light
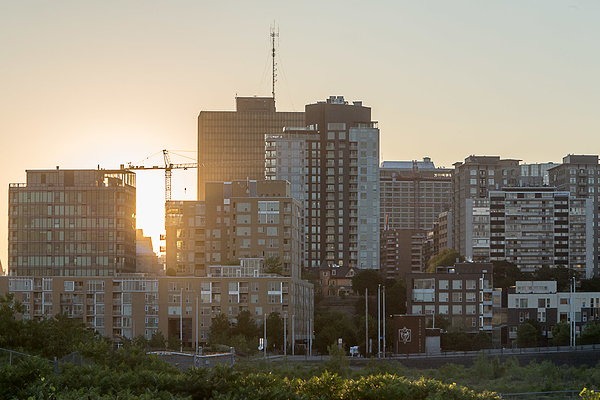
181	320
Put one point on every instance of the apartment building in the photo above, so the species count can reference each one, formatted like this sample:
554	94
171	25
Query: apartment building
463	294
539	300
402	251
580	176
135	304
72	223
341	182
473	179
239	219
532	227
413	194
231	144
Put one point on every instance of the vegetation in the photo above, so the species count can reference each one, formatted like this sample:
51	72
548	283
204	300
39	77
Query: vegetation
366	279
273	265
128	372
446	258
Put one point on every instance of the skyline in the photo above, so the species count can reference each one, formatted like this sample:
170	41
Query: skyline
88	84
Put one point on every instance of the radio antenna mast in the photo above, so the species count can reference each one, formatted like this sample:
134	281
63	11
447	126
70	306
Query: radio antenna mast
274	34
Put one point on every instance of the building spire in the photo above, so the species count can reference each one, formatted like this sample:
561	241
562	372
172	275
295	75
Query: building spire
274	34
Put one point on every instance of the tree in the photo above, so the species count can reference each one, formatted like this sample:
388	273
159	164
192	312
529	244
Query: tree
395	297
529	334
274	331
507	273
219	330
157	341
561	274
561	334
482	341
245	326
273	265
366	279
330	326
10	327
445	258
590	333
456	341
174	343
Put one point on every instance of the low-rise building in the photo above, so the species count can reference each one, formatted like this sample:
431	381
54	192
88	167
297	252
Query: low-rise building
136	304
463	294
336	280
540	301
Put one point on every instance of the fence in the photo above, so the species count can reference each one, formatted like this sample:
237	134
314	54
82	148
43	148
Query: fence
558	395
184	361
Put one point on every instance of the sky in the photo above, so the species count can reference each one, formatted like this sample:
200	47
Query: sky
102	83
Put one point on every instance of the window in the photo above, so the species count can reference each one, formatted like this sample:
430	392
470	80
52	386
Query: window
457	284
443	297
457	310
443	284
471	284
471	309
417	309
443	310
522	303
456	297
471	296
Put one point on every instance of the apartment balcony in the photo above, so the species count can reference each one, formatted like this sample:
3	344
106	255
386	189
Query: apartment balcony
243	289
216	290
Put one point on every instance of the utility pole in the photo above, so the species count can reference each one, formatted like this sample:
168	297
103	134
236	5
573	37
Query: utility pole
366	322
379	321
384	316
285	335
265	336
197	338
181	321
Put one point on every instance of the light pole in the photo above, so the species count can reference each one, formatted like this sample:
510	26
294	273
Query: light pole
181	320
366	322
384	316
197	338
379	321
285	335
265	335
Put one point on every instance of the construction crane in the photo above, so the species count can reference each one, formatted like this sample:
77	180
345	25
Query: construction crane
168	167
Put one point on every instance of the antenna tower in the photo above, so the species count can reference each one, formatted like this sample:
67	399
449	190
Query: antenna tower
274	34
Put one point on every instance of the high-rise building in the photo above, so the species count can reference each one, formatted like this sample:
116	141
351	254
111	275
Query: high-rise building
474	179
287	155
532	227
231	144
239	219
340	181
413	194
580	176
72	223
402	252
146	259
535	174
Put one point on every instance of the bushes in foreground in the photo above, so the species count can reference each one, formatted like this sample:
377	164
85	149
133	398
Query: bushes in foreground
35	379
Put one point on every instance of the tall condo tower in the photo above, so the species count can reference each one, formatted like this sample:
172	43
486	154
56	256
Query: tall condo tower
231	144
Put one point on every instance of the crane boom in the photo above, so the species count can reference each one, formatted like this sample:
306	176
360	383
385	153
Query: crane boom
169	167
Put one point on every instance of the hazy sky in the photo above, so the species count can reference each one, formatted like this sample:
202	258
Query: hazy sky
88	83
